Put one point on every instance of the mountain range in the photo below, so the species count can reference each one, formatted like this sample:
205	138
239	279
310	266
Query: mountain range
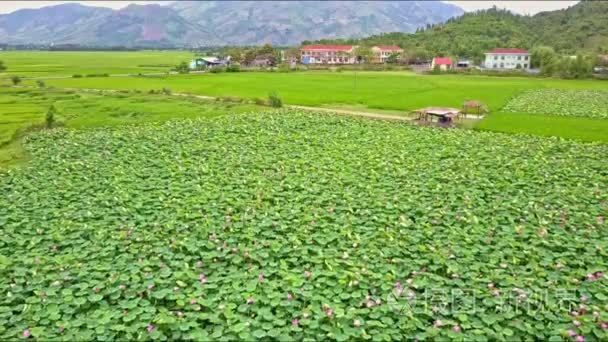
216	23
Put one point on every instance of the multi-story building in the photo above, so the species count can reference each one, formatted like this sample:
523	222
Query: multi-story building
328	54
383	52
507	59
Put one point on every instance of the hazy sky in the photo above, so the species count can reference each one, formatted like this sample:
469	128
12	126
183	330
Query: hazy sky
522	7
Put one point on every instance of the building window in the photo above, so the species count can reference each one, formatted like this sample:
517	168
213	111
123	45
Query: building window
526	58
519	58
525	66
502	57
495	57
502	65
494	66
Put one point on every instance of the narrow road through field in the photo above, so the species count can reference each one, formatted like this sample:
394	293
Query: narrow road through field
366	114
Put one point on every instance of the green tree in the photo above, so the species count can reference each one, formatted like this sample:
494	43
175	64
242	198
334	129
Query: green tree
364	54
2	66
183	68
40	83
16	80
393	58
49	119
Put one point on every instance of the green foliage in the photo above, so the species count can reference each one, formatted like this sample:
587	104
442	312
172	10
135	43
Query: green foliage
274	100
363	54
393	58
302	226
40	83
216	70
77	76
166	91
2	66
583	103
49	119
233	68
98	75
183	68
16	80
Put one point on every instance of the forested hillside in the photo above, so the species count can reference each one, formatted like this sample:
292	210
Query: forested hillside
580	28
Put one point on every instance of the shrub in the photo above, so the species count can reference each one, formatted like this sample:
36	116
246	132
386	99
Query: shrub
183	68
49	120
260	101
77	76
274	100
166	91
216	70
233	68
16	80
97	75
40	83
2	66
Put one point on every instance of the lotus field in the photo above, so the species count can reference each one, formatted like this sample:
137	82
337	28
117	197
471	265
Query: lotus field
294	225
563	102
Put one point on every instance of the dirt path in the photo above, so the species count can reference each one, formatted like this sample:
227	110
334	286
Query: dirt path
370	115
365	114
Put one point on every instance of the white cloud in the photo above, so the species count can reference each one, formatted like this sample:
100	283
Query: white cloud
521	7
10	6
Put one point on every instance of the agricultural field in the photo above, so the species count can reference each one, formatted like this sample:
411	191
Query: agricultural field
68	63
23	109
295	225
403	91
562	102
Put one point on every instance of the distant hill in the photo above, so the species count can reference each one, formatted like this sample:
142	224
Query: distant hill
290	22
187	24
582	27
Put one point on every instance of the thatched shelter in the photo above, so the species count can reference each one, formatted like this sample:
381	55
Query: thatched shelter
443	114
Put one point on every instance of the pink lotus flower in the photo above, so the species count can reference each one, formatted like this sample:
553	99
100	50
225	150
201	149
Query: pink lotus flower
357	323
307	274
199	264
150	328
250	300
571	333
328	311
496	293
580	338
456	329
584	298
192	301
398	289
289	296
491	285
179	314
604	326
122	286
295	322
261	277
202	278
576	323
26	333
61	329
438	324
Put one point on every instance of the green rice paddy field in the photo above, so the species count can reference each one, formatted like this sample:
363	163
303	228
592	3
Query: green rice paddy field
68	63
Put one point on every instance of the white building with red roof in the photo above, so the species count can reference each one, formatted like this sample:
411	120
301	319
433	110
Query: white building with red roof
443	63
507	59
383	52
328	54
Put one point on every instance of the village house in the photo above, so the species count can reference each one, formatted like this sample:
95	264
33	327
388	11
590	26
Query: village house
383	52
328	54
443	63
507	59
208	62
